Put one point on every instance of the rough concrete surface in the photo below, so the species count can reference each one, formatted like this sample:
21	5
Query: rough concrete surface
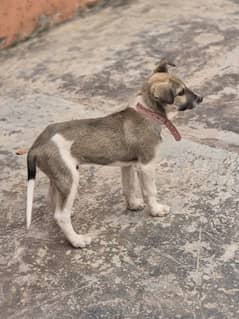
185	265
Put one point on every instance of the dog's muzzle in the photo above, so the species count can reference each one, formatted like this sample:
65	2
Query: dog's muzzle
196	99
199	99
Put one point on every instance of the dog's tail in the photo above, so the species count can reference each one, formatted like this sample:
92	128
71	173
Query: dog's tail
31	175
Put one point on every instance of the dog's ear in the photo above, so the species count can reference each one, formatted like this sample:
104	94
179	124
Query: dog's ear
163	65
163	92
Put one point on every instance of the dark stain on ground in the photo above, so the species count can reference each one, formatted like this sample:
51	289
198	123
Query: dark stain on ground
2	40
219	83
74	48
179	46
114	3
8	159
13	132
4	152
39	69
100	84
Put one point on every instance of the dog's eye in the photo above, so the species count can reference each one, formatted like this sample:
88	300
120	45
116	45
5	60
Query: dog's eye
181	92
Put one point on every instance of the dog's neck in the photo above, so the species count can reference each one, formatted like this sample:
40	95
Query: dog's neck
156	108
140	107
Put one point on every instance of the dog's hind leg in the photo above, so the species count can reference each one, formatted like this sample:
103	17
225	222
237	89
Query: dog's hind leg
51	196
66	180
129	182
62	216
148	187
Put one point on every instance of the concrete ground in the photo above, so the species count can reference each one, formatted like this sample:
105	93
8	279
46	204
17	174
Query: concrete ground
185	265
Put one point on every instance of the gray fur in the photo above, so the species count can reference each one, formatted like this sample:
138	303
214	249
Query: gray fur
127	137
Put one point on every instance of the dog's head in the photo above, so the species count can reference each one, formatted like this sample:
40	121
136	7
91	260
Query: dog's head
163	89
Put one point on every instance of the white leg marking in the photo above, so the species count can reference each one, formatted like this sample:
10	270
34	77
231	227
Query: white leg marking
63	218
129	182
63	215
148	186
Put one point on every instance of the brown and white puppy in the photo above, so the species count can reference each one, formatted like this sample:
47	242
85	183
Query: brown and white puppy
128	138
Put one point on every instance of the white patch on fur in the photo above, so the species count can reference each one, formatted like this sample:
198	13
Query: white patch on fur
30	191
64	147
63	217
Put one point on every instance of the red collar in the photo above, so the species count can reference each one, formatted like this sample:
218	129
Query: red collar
163	120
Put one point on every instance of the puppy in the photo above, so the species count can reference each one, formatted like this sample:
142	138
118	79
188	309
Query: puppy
129	138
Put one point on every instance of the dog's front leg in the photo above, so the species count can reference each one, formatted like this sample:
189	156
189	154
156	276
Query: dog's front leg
148	187
129	183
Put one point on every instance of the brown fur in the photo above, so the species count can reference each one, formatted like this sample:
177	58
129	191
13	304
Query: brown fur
127	137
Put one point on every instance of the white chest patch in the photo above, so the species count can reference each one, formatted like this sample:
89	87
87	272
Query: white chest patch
64	147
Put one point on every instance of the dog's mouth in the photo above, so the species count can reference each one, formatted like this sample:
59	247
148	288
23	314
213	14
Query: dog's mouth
185	107
190	106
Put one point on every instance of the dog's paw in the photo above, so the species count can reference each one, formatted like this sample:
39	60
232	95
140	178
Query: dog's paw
159	210
135	204
81	241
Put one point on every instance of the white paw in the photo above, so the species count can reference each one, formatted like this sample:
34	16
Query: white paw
80	241
159	210
135	204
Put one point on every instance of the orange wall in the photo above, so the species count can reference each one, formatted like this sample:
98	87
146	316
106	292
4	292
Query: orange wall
20	18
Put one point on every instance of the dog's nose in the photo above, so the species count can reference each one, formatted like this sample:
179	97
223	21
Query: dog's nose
199	99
